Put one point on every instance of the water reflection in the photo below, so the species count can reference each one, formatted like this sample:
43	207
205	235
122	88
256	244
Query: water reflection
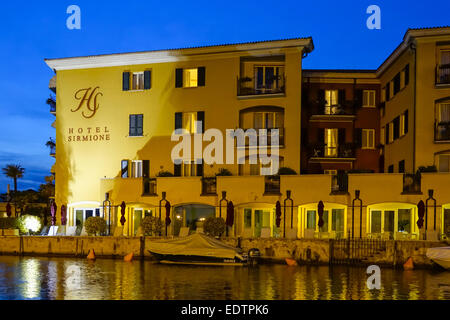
58	278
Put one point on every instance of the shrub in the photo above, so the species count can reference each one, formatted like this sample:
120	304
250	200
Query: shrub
95	226
286	171
164	174
151	225
224	172
29	222
214	226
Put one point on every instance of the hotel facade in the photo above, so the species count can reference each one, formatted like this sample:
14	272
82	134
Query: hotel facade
355	139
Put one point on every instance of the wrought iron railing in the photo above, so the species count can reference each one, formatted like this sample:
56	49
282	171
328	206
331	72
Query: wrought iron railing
347	108
209	185
344	151
268	135
443	74
247	86
272	184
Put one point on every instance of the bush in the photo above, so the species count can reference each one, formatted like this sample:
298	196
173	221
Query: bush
165	174
286	171
224	172
214	226
427	169
95	226
8	223
151	225
29	222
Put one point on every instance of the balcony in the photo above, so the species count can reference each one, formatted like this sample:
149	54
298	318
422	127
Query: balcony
248	87
443	74
319	111
52	151
209	186
339	183
442	131
345	151
268	135
52	103
412	183
149	187
272	185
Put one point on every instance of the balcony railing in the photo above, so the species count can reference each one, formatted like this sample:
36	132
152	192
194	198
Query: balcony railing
209	186
443	74
272	184
247	86
442	131
348	108
149	186
339	183
344	151
269	138
52	103
52	151
411	183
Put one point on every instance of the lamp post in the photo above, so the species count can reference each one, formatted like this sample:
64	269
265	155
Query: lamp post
430	198
288	198
167	206
224	198
107	204
357	193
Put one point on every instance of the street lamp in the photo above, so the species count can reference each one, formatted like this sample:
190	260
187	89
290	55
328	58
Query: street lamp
430	198
107	204
224	198
357	193
288	198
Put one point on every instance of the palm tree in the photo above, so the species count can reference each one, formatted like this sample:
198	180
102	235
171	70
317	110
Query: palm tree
15	172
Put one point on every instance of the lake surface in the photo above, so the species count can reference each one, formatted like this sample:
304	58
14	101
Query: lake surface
67	278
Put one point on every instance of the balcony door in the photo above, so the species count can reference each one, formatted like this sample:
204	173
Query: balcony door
268	78
331	142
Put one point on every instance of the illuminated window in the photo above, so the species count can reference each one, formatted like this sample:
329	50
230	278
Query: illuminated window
369	98
137	81
368	138
190	169
331	141
189	119
190	78
331	97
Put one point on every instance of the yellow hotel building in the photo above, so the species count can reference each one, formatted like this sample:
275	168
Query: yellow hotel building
115	115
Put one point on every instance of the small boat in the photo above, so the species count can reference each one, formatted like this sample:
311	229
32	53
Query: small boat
197	249
440	255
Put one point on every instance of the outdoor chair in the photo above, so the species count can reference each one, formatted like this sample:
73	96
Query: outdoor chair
265	233
44	231
71	231
52	231
61	231
184	232
291	233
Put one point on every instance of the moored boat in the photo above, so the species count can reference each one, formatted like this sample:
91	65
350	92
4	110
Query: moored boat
440	255
198	249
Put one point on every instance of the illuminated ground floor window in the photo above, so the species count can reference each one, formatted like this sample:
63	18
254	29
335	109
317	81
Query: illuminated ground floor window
334	221
191	216
259	222
392	221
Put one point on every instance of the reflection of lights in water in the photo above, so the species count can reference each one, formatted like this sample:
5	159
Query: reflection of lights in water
30	274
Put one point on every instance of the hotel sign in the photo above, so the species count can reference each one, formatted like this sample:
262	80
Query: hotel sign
88	103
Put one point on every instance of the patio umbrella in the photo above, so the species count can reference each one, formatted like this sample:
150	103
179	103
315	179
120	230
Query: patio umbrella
168	221
53	209
8	209
230	214
63	215
122	212
320	207
421	213
278	213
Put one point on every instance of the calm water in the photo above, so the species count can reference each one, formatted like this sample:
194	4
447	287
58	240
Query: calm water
63	278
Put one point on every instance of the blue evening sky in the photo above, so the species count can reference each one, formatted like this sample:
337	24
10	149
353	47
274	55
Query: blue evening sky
36	30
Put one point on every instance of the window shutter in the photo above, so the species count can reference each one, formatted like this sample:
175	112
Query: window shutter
388	90
124	169
146	168
201	117
178	120
406	121
139	124
304	137
396	124
179	78
132	125
125	81
147	79
358	137
199	168
177	170
407	75
321	95
341	97
321	135
201	76
359	98
341	136
387	133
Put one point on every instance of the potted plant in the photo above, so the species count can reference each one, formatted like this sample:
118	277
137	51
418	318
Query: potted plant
214	227
95	226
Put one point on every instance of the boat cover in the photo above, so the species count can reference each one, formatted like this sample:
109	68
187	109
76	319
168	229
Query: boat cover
196	244
439	253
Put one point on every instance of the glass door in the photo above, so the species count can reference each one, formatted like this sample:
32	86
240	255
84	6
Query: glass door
389	222
262	220
137	220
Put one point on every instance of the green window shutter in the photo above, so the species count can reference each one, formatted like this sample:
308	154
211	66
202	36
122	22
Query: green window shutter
177	170
146	168
386	134
388	91
396	123
178	120
407	75
358	137
359	98
125	81
139	124
132	125
406	121
147	79
341	97
179	78
199	168
341	136
201	117
201	76
321	96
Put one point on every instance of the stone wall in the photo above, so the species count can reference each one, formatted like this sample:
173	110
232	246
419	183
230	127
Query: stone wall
305	251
